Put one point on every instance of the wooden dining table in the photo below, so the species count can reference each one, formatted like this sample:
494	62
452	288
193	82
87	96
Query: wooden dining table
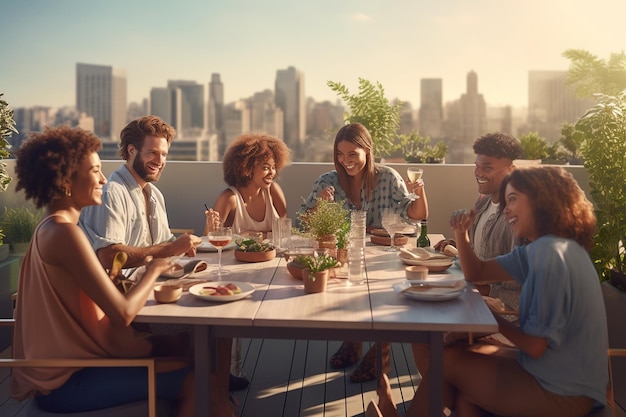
279	308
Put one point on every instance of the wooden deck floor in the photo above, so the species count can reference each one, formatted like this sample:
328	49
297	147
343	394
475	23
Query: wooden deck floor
291	378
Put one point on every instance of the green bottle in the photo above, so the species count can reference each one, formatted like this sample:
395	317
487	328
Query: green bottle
423	241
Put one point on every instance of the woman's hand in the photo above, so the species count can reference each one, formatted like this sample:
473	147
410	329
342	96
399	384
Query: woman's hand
415	187
461	220
212	219
328	193
159	265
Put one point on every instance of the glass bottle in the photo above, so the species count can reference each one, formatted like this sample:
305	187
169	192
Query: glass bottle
423	241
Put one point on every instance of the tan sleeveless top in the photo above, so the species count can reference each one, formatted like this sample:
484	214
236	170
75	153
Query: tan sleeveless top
244	223
54	318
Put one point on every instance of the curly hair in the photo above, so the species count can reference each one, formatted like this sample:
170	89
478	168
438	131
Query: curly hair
47	161
358	135
136	131
249	150
498	145
560	205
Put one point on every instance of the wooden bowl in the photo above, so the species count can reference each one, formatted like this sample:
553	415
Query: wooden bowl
244	256
167	293
416	272
386	240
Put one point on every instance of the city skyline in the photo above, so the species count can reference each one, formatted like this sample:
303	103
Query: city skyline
395	42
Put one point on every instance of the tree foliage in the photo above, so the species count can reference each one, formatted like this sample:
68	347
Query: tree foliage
591	75
371	108
7	128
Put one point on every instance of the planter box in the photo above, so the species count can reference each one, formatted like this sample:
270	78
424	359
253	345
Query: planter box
9	273
615	304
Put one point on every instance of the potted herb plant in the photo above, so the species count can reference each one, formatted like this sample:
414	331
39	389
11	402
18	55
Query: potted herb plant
7	128
326	222
316	271
534	148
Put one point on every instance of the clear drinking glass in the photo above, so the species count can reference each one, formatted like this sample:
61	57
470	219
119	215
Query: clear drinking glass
219	238
393	224
414	174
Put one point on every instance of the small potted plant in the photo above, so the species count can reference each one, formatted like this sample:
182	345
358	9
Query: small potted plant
251	250
417	149
534	149
342	242
18	225
328	222
316	271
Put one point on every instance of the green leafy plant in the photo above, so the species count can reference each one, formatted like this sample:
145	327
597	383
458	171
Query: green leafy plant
251	245
327	218
7	128
533	146
591	75
18	224
318	263
371	108
417	149
342	234
602	132
571	144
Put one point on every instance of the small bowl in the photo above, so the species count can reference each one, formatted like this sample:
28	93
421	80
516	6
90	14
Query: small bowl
295	270
416	272
167	293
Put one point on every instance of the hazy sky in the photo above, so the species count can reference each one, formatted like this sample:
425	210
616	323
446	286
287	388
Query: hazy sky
396	42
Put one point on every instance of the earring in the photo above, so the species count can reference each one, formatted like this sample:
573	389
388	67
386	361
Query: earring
68	192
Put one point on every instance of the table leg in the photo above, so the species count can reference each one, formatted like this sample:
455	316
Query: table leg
435	373
202	355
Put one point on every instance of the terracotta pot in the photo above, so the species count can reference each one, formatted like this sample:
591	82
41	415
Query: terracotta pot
342	256
327	241
244	256
295	270
314	286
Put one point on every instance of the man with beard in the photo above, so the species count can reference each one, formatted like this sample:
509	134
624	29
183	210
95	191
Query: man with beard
132	217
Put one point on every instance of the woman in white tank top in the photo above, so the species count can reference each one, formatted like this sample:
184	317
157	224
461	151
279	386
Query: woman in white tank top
253	199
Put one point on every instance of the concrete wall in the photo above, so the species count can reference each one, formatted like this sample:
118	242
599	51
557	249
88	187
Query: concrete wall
187	186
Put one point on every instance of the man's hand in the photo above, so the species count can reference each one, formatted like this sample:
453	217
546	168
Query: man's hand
186	244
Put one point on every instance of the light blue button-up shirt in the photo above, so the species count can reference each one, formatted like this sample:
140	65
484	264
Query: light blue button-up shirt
122	219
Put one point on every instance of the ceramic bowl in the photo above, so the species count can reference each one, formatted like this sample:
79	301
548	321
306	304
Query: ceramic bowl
416	272
244	256
167	293
295	270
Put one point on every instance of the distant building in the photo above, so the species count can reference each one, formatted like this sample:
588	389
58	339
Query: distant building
290	98
215	112
466	120
192	113
431	107
551	103
264	115
236	120
101	94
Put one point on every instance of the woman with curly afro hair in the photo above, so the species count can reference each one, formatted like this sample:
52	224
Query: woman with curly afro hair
252	199
68	306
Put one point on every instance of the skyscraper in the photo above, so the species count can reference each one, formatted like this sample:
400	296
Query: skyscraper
431	107
290	97
216	112
101	94
551	103
191	107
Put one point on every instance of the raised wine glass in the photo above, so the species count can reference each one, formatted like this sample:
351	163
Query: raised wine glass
219	238
414	174
393	224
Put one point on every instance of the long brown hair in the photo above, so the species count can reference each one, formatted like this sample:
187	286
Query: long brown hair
559	204
358	135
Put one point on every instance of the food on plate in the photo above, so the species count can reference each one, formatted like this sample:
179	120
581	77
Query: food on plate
448	247
228	289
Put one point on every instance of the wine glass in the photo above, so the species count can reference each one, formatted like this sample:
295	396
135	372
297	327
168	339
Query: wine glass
393	224
414	174
219	238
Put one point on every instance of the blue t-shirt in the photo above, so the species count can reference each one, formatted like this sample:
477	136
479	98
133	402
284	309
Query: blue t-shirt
561	300
389	192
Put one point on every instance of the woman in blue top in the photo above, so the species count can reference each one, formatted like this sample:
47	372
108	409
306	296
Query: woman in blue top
560	365
365	185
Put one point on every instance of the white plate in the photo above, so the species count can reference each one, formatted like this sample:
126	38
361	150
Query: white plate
246	290
207	247
432	293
